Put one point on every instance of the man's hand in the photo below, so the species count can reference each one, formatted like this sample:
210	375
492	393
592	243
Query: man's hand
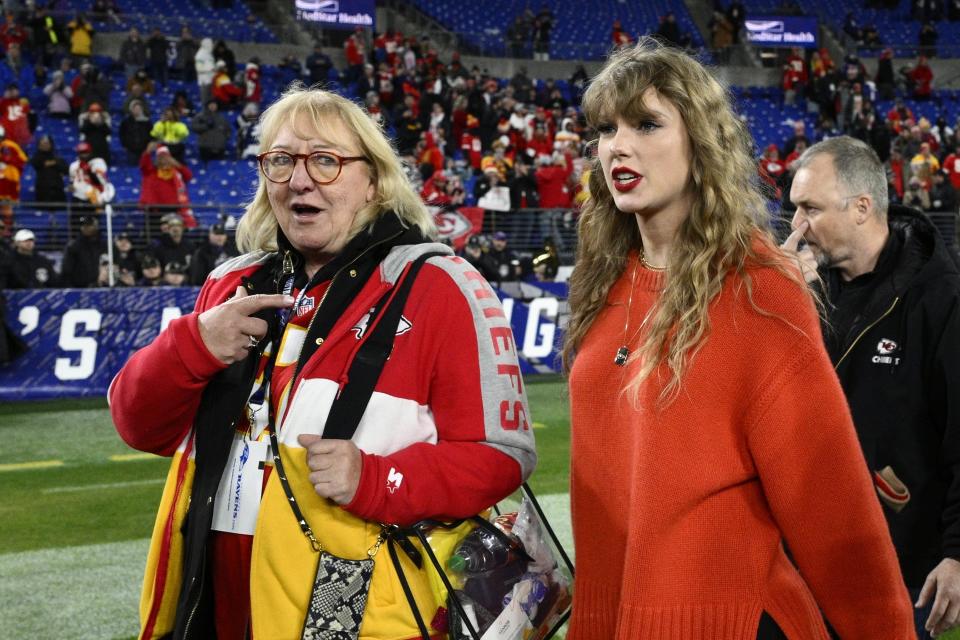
227	329
805	257
335	467
943	586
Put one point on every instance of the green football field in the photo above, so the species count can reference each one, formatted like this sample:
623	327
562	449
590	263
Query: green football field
78	508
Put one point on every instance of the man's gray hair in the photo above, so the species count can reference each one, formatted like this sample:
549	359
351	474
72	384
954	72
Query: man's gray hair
857	166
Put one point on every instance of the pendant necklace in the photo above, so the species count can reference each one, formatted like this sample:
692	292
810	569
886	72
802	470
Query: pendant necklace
623	353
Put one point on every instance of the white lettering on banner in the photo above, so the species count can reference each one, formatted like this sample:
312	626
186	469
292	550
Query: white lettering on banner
544	332
29	317
507	308
89	320
360	19
169	314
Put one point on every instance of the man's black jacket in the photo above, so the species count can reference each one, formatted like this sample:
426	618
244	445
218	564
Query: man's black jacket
897	353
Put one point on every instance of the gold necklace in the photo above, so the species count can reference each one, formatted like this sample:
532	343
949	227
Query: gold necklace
643	259
623	353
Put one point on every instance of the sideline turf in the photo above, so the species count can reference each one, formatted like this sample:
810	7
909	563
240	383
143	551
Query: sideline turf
73	538
46	507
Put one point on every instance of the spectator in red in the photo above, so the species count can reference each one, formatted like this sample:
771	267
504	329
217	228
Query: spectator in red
253	91
897	172
951	164
470	144
225	92
353	49
11	32
164	182
434	190
618	36
541	144
553	186
385	87
921	79
771	168
429	152
90	182
12	160
794	76
394	46
552	178
15	115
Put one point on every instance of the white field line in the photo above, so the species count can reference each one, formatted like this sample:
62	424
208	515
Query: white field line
104	485
94	591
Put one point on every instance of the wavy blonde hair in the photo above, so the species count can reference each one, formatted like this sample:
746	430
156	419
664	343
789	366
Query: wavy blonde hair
727	217
347	123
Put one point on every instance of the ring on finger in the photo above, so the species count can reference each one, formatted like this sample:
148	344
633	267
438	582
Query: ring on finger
253	341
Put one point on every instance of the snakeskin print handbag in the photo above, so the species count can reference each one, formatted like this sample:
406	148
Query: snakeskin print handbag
339	598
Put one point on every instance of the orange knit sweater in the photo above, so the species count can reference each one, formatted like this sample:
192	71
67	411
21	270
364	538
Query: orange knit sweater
680	512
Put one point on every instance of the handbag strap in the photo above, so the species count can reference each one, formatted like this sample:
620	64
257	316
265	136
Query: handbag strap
405	585
350	404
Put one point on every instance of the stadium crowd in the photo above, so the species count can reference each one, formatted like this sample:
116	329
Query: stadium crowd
514	147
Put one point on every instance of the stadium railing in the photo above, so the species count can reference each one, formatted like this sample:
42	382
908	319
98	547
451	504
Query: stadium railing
56	223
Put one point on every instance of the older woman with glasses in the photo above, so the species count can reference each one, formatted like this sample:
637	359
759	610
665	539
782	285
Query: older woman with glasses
343	375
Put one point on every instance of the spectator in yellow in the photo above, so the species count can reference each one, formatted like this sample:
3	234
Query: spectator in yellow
12	160
171	132
498	160
81	37
924	165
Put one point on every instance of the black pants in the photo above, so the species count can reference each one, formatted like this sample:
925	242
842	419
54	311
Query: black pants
769	630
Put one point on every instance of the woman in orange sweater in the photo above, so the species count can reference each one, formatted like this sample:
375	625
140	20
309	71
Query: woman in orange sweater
709	429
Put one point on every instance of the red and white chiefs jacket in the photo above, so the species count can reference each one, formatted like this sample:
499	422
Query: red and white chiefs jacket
446	434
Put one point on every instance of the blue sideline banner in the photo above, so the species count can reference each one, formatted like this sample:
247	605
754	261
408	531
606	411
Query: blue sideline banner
79	338
782	31
337	14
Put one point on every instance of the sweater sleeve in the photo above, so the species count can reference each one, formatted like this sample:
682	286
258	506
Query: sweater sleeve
815	478
155	395
485	445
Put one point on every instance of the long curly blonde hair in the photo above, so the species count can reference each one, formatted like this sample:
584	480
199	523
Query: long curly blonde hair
728	215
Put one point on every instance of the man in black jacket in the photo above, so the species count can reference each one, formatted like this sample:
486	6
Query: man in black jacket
892	296
81	259
215	251
27	269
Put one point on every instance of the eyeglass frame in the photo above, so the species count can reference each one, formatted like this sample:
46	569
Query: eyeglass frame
304	156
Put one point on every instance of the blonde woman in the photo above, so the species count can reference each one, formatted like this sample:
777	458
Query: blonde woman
257	377
709	429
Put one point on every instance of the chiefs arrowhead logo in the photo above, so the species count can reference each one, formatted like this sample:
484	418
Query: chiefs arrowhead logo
886	346
403	326
451	224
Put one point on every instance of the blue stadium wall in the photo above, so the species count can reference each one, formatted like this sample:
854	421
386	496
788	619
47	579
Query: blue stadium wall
79	338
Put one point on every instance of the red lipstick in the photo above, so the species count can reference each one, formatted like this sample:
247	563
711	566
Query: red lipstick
625	179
